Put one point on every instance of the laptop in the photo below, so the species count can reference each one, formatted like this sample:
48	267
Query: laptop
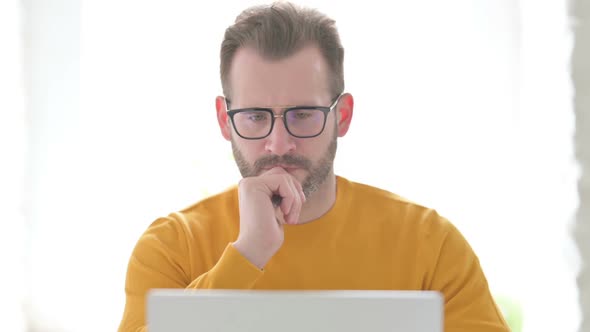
179	310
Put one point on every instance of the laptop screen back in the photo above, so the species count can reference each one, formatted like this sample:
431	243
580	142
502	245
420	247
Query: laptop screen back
294	311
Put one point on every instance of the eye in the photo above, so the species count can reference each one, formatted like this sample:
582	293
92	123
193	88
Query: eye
302	114
256	116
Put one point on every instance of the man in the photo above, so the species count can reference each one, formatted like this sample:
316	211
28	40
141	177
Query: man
291	223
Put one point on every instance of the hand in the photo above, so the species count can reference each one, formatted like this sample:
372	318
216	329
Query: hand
261	223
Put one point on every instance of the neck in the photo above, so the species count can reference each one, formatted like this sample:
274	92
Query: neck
319	202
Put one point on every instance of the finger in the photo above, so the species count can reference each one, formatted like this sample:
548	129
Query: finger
299	191
275	170
293	216
276	198
279	216
299	188
285	190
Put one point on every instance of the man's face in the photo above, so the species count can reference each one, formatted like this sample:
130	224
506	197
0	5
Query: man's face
301	80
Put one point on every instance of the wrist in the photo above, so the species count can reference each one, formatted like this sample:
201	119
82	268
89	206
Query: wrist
256	258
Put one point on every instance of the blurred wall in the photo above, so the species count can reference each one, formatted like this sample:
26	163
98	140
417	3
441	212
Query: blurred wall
580	13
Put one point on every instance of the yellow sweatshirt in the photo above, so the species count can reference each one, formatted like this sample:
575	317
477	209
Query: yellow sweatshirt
370	240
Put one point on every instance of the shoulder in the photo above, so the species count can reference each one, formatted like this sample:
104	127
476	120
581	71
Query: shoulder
191	222
203	228
371	194
389	207
220	206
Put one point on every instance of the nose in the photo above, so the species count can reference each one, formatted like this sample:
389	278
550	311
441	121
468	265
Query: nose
279	142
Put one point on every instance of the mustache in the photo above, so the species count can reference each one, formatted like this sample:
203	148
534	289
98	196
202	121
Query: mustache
290	160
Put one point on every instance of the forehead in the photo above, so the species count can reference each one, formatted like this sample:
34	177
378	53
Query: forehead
301	78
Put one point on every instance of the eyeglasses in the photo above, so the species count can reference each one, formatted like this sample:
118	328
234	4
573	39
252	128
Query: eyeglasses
300	121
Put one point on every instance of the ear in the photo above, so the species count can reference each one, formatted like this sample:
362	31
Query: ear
222	117
344	113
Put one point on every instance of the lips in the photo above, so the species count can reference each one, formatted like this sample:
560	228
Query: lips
287	162
285	167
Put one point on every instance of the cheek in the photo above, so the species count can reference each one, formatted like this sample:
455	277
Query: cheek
315	148
251	150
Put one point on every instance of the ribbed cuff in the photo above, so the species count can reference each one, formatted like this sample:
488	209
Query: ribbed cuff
233	271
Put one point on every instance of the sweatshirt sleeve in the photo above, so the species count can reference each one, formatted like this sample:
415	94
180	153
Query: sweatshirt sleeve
457	274
161	259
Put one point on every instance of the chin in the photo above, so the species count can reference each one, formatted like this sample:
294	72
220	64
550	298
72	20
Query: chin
299	174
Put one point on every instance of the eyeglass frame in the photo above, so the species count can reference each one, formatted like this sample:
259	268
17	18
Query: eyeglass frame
287	108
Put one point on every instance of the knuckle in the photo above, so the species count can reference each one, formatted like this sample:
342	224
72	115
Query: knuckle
244	182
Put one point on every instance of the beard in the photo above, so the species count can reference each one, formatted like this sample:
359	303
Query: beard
317	174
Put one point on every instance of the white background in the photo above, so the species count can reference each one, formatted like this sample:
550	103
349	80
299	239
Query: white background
461	105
